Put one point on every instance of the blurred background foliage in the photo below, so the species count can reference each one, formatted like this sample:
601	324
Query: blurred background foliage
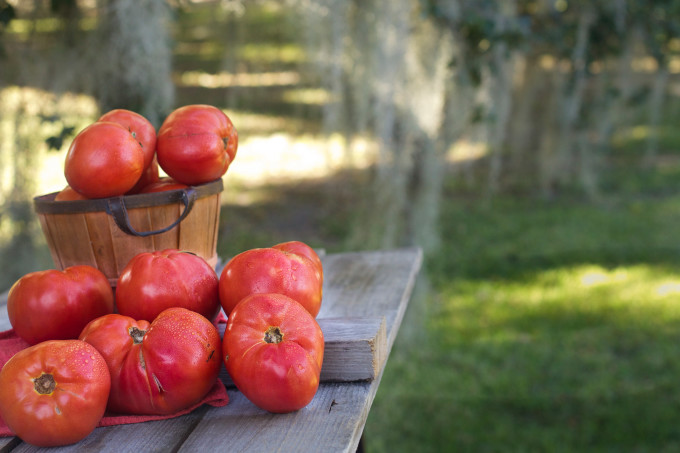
530	147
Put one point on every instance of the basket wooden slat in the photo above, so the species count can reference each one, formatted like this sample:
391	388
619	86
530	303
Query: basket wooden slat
165	215
206	244
99	230
86	232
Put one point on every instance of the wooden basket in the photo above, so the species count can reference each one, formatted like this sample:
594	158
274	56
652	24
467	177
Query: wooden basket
106	233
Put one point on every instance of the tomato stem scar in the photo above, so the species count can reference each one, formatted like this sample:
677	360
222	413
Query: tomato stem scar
273	335
137	334
44	384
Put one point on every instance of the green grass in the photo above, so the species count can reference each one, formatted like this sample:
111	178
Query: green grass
547	327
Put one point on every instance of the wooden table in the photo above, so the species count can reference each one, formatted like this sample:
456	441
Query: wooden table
368	285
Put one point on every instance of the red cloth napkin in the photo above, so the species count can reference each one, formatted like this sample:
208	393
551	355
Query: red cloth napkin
10	344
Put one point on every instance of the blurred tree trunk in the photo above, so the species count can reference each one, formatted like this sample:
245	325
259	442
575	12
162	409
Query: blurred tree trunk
655	109
131	58
532	120
232	17
559	168
500	77
69	12
615	87
549	120
359	69
461	91
388	76
546	82
428	81
385	211
330	28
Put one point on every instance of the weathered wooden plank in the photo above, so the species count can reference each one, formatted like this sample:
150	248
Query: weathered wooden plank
323	426
8	443
354	349
370	284
157	436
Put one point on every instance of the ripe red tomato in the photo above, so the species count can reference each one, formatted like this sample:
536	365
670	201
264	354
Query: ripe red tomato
300	248
56	305
141	129
150	175
68	194
196	144
273	351
154	281
163	184
54	393
157	368
104	160
272	270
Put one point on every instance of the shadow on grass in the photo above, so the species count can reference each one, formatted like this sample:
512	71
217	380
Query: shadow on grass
549	326
620	423
500	375
318	211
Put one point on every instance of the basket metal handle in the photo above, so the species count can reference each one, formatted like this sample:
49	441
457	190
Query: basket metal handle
116	208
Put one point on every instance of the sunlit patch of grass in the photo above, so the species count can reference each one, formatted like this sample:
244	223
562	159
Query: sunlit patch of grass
464	151
576	358
581	296
281	157
226	79
202	49
317	96
633	141
551	326
273	53
25	28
